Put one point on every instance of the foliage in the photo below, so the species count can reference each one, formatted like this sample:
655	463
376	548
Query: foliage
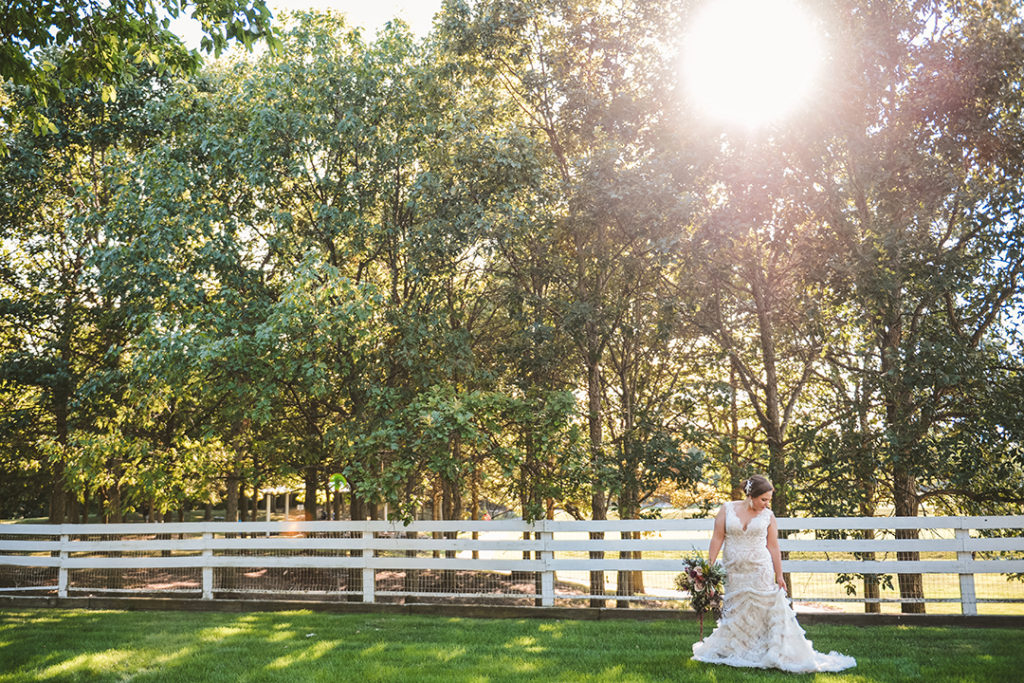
63	342
508	263
53	46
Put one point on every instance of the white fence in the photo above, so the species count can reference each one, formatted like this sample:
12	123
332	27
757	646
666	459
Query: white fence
969	558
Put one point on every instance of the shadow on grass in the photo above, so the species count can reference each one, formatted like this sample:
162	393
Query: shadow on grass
305	646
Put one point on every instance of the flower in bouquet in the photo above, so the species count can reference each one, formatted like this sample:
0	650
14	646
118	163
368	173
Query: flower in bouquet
704	582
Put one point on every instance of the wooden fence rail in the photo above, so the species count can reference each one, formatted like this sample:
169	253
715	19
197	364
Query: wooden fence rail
544	551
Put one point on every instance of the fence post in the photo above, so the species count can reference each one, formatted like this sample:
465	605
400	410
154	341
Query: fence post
369	575
62	570
547	577
968	599
207	570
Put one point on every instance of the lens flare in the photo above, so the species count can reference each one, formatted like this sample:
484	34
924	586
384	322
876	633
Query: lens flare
751	62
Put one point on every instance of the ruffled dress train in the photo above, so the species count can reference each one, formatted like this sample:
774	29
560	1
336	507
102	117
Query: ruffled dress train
758	627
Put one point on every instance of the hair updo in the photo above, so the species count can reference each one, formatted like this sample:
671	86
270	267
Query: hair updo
757	486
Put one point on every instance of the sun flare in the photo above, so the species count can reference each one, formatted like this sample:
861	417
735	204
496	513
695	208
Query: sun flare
751	62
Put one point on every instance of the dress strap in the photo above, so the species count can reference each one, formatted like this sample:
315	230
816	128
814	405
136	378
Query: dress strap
730	507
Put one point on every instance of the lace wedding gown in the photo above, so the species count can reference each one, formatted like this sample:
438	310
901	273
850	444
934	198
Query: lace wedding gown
758	628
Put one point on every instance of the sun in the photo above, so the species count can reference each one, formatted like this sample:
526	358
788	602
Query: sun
751	62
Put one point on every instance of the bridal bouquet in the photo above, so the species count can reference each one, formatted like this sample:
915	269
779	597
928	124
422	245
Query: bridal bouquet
703	581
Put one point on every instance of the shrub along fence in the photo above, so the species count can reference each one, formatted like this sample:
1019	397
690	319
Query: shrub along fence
968	564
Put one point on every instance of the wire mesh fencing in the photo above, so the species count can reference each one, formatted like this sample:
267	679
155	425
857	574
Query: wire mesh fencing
29	560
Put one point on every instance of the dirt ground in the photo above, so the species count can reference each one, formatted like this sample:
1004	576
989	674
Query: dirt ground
474	587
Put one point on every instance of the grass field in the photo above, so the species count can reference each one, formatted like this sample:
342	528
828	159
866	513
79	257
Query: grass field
76	645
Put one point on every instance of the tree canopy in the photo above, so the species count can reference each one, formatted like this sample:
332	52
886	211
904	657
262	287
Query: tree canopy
506	266
50	46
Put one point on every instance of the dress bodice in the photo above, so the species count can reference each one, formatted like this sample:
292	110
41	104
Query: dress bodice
746	544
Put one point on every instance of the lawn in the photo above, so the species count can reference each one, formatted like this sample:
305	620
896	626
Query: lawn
70	645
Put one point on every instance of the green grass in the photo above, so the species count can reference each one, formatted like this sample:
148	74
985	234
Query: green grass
71	645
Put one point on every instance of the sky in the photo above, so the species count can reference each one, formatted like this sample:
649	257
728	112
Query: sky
369	14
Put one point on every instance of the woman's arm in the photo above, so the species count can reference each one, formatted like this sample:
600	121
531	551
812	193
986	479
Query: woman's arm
773	550
717	536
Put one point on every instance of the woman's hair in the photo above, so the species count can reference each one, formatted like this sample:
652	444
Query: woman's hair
757	486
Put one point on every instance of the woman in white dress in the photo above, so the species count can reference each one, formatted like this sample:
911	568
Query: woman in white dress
758	628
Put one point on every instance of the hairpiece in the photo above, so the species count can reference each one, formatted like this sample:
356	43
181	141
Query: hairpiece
746	487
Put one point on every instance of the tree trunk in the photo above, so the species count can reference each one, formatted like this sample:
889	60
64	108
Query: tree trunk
538	581
309	502
911	585
231	501
872	589
58	495
474	505
452	500
627	580
410	583
114	513
598	499
736	466
525	505
772	421
254	502
354	581
61	398
897	418
624	577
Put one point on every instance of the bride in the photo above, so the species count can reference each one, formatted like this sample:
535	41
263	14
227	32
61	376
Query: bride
758	628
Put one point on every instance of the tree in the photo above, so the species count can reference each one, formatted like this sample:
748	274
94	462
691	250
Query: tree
52	46
920	184
349	163
585	76
770	303
63	347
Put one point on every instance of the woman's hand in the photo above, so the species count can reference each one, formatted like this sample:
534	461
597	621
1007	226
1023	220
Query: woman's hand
782	585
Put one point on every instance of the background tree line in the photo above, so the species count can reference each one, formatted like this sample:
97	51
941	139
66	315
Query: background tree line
510	262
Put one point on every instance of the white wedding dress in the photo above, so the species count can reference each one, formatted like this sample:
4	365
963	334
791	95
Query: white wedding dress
758	628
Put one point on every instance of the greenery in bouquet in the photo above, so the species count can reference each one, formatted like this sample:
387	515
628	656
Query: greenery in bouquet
704	582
